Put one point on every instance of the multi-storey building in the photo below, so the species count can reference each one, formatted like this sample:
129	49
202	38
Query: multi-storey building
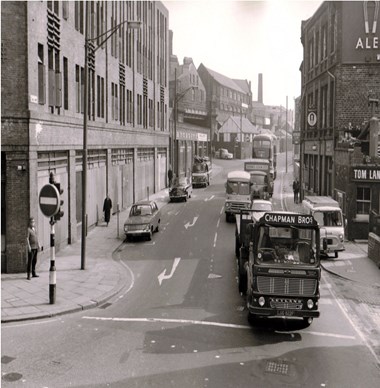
225	97
340	77
43	90
189	117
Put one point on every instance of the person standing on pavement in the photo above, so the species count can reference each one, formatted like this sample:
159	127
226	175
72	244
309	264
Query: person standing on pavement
296	190
107	206
170	175
33	248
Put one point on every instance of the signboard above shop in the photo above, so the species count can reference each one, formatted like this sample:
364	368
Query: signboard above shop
365	174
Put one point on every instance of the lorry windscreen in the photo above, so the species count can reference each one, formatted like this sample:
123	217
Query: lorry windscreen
286	245
258	179
241	188
328	218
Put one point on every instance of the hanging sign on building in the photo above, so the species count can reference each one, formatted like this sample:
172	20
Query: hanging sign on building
296	137
366	174
311	116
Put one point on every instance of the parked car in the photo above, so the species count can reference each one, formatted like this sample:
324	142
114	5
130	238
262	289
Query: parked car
143	220
262	205
182	189
223	153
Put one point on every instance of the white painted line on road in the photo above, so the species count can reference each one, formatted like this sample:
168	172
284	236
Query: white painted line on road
206	323
221	210
188	225
209	199
167	320
216	236
217	224
132	276
162	276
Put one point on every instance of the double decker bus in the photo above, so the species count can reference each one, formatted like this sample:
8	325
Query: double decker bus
264	147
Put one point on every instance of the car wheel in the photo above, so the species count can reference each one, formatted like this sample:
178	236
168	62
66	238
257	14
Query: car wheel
150	234
158	225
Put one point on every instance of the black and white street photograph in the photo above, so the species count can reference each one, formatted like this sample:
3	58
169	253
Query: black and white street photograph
190	194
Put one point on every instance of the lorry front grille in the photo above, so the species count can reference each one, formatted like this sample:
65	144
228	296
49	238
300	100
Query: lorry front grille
286	304
286	286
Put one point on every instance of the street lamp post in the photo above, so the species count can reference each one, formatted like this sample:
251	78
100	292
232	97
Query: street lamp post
88	40
243	105
177	98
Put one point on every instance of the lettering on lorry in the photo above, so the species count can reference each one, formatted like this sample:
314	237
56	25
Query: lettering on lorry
289	219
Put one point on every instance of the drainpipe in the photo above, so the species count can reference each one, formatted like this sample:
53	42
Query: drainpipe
333	156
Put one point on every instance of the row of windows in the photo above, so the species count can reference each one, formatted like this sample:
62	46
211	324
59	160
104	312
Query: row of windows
225	92
121	38
322	36
121	103
232	108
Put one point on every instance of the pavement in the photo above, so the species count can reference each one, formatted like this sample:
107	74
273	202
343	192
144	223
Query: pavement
104	277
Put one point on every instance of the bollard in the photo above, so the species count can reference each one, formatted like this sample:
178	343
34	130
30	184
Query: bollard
52	271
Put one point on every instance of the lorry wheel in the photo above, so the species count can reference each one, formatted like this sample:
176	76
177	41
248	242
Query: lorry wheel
227	217
336	254
237	245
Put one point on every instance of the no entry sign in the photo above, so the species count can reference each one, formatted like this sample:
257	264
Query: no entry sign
49	200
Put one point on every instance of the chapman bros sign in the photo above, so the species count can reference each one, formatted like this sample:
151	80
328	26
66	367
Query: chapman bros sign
367	174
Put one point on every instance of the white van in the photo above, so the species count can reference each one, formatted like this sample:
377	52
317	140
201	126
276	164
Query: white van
329	216
238	193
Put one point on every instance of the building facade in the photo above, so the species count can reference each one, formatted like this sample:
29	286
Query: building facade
43	102
340	77
189	121
225	97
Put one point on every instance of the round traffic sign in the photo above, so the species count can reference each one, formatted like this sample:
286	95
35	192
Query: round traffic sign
49	200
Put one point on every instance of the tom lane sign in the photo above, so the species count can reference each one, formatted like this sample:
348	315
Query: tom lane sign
49	200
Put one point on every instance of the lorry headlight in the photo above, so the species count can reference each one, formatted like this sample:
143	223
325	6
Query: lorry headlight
310	304
341	237
125	228
228	205
261	301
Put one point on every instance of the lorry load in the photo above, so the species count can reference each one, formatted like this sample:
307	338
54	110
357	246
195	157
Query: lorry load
329	216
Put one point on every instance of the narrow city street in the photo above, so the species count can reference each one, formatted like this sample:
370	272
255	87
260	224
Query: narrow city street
181	321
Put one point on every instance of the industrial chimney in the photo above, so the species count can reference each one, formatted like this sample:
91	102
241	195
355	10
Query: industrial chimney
260	89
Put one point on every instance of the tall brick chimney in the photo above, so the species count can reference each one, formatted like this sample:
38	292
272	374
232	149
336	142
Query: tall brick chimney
260	89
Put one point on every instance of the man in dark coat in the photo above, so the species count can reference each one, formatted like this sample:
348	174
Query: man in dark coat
107	206
170	175
296	190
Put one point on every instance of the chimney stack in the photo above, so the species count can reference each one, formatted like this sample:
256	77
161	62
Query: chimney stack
260	89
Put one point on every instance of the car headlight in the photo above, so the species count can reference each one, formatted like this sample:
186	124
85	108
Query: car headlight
125	228
147	228
341	237
228	205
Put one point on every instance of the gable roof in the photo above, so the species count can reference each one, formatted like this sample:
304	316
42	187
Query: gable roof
225	81
233	123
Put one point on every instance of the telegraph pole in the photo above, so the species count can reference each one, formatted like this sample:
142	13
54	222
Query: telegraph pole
286	137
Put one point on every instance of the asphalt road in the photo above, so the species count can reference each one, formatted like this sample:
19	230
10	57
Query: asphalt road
181	322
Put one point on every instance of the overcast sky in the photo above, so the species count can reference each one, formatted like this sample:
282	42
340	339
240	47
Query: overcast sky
241	39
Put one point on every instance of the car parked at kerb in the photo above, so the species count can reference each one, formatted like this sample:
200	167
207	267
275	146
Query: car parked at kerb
143	220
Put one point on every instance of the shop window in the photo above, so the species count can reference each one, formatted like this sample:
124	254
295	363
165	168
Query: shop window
363	203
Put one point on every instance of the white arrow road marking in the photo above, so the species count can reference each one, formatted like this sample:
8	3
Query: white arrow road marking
187	225
163	275
209	199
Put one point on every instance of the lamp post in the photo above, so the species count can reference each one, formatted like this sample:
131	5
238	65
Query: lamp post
88	40
245	106
177	98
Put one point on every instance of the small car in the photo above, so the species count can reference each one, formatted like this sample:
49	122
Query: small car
143	220
223	153
261	205
182	189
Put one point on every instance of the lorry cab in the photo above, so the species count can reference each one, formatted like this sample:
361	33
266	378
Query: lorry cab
200	173
329	217
283	269
261	178
238	193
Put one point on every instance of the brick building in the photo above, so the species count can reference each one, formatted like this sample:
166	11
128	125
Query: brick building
43	95
225	97
340	75
189	117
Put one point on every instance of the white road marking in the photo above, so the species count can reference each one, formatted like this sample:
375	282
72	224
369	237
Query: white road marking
188	225
216	236
162	276
3	326
207	323
221	210
209	199
217	224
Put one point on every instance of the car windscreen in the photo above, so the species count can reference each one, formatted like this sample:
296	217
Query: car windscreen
328	218
241	188
141	210
261	207
286	245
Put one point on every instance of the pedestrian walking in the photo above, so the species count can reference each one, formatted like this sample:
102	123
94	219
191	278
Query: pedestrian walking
107	206
33	248
296	190
170	175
